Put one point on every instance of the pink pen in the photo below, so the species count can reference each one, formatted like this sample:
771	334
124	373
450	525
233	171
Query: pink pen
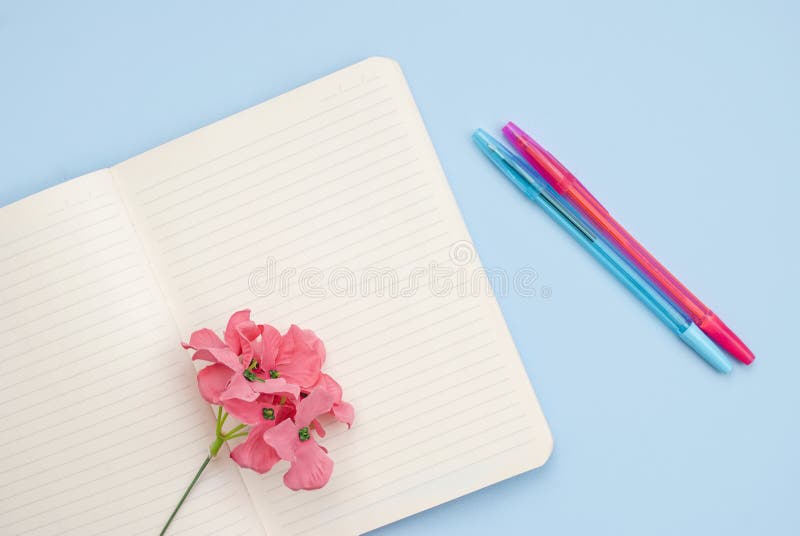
589	208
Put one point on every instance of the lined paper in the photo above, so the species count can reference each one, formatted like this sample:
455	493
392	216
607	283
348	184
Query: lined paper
100	420
339	179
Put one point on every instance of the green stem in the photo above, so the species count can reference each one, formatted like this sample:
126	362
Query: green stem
222	422
227	435
219	421
213	450
185	494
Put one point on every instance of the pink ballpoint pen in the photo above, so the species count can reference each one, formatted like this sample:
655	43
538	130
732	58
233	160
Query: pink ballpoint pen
570	188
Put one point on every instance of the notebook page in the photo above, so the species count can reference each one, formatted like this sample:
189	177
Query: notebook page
101	424
327	207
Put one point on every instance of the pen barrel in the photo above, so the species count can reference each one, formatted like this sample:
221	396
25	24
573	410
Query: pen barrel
626	244
586	207
661	278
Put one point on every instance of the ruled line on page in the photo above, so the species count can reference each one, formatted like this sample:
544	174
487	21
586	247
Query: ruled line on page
165	453
423	387
59	237
405	349
88	240
102	249
186	199
419	419
129	379
450	430
288	256
296	256
413	263
32	393
411	409
163	497
413	232
257	140
218	200
87	356
426	326
90	324
68	335
419	469
314	189
312	231
514	446
270	194
87	285
276	306
360	439
87	296
190	439
425	461
48	227
417	313
63	423
272	148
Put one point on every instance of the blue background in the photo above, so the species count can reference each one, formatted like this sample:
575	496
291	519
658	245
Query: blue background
682	118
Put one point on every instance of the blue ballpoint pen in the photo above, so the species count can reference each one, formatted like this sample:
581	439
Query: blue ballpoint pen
537	190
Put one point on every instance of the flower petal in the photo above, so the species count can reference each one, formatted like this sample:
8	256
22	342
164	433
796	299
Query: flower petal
330	385
240	388
212	380
250	411
344	412
318	402
318	428
298	361
277	386
231	336
283	438
311	469
314	342
219	355
254	453
249	340
271	343
203	338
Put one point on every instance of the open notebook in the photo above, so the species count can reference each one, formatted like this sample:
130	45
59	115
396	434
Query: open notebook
282	208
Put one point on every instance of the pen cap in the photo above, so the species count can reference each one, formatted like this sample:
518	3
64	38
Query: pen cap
705	348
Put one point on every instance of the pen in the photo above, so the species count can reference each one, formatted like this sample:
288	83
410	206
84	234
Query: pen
570	188
534	187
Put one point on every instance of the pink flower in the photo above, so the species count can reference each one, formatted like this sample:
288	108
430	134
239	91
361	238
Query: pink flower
238	369
298	359
254	453
292	440
341	411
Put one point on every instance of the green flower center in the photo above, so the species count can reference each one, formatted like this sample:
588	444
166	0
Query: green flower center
250	376
268	413
274	374
304	434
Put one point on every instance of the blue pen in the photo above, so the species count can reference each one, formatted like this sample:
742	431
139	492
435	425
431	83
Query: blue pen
537	190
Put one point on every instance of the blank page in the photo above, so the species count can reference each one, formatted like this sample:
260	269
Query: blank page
102	427
327	207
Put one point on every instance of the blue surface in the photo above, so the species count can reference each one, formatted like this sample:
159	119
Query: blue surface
682	119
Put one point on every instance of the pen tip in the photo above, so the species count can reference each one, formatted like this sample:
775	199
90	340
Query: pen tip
727	339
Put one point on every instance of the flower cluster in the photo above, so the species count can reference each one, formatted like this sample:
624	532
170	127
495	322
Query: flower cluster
274	385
